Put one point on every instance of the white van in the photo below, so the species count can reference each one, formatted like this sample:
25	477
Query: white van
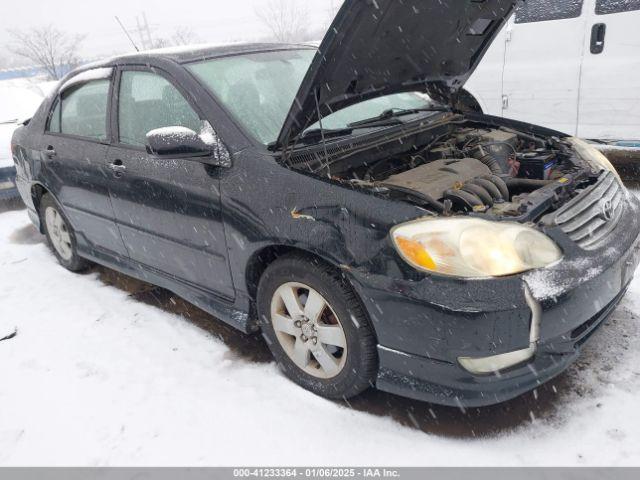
571	65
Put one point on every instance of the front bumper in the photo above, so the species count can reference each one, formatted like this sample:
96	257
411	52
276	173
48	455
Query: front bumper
8	188
424	326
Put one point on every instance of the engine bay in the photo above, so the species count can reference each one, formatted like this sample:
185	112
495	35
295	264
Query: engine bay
468	167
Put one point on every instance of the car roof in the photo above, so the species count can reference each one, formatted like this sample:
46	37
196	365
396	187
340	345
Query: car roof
192	53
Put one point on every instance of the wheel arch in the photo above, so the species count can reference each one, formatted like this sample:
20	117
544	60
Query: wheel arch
265	256
37	191
262	258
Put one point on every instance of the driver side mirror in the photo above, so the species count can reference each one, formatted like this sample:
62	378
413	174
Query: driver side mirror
182	142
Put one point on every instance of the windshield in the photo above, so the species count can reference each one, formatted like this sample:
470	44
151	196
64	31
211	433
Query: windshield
259	89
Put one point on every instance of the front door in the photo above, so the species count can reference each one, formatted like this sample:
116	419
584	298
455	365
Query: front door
74	148
542	63
610	92
168	210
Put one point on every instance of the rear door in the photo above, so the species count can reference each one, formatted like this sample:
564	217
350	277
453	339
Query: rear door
74	150
168	210
541	82
610	98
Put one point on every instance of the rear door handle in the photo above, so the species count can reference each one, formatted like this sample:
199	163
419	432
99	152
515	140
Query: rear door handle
50	152
598	34
117	167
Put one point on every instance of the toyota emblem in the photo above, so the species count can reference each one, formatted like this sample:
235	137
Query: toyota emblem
607	210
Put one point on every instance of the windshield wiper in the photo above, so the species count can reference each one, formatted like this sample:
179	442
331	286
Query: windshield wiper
394	113
315	134
318	132
385	119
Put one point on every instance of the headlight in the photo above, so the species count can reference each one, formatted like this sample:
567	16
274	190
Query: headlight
592	156
473	248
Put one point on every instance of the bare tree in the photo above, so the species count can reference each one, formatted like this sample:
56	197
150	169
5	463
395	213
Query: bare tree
181	36
158	42
184	36
47	47
286	19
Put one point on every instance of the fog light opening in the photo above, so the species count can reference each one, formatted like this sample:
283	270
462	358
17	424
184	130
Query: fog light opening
496	363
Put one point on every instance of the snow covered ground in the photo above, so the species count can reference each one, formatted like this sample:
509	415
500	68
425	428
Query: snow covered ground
105	370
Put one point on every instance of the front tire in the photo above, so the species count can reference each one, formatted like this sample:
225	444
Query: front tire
60	236
316	327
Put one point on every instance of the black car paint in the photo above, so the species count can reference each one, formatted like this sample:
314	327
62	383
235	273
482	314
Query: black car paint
214	229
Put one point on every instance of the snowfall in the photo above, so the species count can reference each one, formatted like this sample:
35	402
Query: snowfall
100	369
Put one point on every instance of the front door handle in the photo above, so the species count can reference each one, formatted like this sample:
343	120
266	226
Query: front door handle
598	33
117	167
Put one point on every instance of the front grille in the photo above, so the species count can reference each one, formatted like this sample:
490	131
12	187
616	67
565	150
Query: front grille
589	218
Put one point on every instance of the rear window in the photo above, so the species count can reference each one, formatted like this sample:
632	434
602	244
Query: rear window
547	10
82	111
605	7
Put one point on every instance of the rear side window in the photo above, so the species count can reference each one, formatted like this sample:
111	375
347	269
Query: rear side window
605	7
546	10
148	101
82	111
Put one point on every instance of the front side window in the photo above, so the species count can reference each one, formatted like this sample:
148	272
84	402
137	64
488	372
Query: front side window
259	90
82	111
148	101
54	118
546	10
605	7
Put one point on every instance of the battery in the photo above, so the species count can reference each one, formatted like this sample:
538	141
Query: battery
536	165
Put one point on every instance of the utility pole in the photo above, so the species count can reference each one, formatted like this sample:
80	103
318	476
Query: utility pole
144	31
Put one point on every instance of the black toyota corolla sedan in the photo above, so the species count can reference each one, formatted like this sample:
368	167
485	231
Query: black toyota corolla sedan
337	202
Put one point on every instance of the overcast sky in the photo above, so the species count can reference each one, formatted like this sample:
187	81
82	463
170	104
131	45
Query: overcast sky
212	20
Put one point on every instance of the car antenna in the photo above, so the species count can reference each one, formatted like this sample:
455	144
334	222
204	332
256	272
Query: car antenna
127	34
324	142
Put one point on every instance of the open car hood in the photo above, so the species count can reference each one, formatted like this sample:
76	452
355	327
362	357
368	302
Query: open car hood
380	47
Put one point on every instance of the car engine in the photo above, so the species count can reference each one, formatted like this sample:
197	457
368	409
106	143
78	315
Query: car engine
466	167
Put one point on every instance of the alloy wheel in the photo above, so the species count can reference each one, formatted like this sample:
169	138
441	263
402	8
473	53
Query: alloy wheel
58	233
308	330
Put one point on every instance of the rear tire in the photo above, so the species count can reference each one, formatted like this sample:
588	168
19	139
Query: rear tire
60	235
316	327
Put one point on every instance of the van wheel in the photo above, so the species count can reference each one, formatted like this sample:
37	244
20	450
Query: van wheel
316	327
60	236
